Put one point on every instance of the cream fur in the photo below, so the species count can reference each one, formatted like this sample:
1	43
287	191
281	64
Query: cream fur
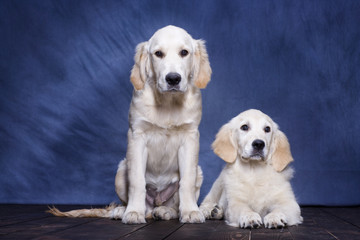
163	139
253	189
163	136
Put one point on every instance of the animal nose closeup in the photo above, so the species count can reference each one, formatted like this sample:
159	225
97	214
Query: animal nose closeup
258	144
173	79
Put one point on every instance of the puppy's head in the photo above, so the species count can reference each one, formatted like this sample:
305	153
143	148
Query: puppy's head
172	60
252	136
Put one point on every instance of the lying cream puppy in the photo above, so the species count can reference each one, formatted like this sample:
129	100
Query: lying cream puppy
254	186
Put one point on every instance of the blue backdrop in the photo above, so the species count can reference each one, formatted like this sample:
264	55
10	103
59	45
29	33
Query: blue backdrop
65	89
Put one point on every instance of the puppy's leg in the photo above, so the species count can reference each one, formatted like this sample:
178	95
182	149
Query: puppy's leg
284	214
199	181
212	207
121	188
188	162
239	214
136	157
121	182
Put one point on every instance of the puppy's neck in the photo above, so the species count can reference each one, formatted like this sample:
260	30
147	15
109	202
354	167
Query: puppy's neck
169	99
251	165
166	110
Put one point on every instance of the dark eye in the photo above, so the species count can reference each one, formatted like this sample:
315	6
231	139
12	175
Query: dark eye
267	129
159	54
244	127
184	53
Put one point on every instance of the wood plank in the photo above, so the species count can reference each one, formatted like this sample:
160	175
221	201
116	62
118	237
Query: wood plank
22	226
21	218
17	213
336	226
309	229
321	225
156	230
31	222
348	214
267	234
16	209
211	229
41	227
99	229
310	233
15	216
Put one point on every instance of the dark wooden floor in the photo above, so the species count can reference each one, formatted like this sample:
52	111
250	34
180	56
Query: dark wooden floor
31	222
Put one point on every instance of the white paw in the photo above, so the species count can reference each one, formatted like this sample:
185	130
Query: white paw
212	211
164	213
275	220
250	220
217	212
133	217
118	212
192	217
205	209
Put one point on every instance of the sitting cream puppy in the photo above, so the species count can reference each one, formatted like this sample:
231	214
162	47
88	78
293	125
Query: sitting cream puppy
254	186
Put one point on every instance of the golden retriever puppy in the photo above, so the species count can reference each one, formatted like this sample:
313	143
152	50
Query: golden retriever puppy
254	187
160	176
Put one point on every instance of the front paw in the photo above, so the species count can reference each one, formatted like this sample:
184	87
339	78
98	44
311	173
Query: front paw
117	212
212	212
275	220
164	213
250	220
133	217
217	212
192	217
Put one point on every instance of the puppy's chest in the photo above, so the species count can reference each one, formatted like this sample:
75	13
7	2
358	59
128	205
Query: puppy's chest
255	183
163	146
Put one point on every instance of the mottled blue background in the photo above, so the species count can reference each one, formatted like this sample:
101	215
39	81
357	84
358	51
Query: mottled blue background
65	89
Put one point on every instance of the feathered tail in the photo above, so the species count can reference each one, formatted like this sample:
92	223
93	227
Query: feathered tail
112	211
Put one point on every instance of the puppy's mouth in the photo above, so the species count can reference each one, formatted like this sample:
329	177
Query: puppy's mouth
254	157
170	89
173	89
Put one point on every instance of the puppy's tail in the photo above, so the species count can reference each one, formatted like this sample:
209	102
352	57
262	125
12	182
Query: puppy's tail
113	211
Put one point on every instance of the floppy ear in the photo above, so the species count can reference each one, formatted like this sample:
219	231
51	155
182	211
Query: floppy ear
139	71
201	69
281	156
224	146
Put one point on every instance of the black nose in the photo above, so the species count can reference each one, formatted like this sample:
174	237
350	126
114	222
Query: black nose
258	144
173	79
